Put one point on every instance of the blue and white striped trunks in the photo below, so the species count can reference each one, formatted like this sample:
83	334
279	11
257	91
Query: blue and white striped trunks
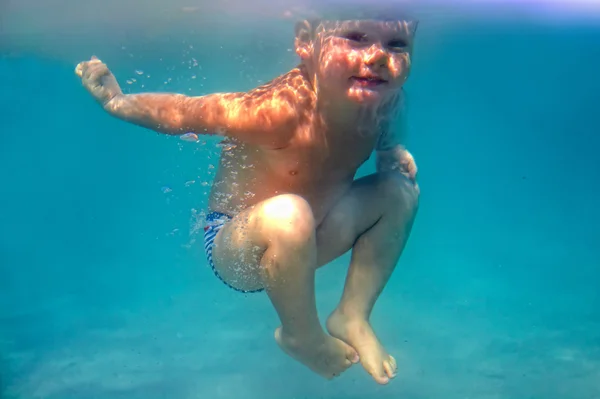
215	222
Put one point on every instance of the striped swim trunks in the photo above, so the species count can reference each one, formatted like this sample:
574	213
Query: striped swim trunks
214	223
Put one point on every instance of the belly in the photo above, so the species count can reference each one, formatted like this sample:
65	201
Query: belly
249	177
234	197
232	193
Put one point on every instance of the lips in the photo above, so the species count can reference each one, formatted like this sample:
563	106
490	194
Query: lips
368	80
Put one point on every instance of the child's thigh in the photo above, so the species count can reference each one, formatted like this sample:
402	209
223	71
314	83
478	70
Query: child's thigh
361	207
237	252
241	243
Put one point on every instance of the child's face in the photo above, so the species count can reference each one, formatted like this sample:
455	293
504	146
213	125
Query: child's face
364	61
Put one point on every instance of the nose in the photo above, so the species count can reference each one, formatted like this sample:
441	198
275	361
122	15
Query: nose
376	57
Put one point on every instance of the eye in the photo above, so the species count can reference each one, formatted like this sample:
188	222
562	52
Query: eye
398	44
355	36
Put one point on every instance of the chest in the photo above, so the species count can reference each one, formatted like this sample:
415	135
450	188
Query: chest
319	156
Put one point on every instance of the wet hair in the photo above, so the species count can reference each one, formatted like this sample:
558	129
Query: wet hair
383	13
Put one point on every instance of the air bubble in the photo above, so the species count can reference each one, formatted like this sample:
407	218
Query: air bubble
191	137
227	146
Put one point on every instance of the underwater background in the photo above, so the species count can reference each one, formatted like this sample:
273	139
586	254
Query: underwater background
104	288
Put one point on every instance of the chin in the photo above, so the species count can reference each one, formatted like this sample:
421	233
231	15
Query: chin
364	96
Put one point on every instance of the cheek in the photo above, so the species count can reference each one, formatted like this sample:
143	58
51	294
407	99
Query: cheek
338	63
355	60
400	66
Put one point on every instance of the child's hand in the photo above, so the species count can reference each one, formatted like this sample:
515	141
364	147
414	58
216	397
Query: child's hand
400	160
98	80
408	166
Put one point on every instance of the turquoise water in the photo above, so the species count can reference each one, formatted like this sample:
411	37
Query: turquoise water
105	294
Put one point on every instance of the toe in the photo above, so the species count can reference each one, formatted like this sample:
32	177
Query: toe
381	379
278	339
352	355
389	368
393	363
378	373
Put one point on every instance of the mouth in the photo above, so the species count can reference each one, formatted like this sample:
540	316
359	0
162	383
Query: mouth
368	81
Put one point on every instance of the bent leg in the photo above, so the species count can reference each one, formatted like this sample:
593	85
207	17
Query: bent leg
374	219
273	245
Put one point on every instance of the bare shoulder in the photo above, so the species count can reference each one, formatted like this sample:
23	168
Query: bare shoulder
268	115
276	108
289	93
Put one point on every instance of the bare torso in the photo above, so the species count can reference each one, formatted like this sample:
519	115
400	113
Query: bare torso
318	162
319	172
250	174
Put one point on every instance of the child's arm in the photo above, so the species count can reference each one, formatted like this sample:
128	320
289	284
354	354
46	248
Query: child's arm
240	115
258	116
397	158
391	152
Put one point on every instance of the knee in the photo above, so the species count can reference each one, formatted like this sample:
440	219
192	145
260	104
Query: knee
400	193
288	217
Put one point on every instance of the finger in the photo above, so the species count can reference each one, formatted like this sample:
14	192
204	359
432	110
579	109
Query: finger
82	67
407	169
413	171
97	74
95	70
94	79
87	71
407	176
92	61
79	69
411	166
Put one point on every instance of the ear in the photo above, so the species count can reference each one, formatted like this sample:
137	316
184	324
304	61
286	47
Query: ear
303	41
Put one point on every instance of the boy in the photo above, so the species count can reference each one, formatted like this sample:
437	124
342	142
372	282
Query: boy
299	141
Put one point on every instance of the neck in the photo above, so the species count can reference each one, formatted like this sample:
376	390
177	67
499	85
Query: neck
369	117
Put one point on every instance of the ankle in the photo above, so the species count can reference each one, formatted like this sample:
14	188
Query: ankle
299	337
350	313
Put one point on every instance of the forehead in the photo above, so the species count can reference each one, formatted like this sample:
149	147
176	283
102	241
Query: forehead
402	28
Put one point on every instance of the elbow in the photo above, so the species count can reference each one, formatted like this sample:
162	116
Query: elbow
174	117
171	123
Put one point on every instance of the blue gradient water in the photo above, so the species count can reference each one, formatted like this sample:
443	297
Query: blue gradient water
104	294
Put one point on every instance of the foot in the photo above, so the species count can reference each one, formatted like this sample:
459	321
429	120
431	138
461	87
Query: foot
325	355
358	333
